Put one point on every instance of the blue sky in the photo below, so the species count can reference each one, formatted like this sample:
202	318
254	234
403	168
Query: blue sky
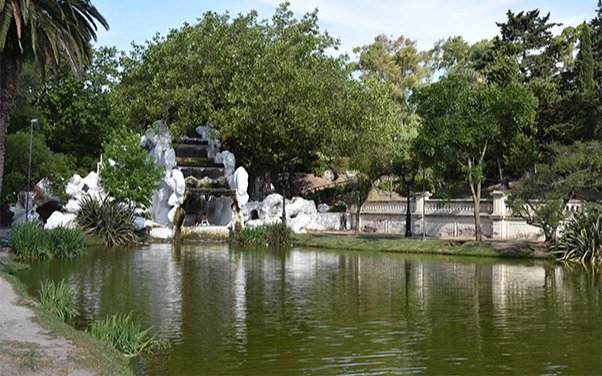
355	22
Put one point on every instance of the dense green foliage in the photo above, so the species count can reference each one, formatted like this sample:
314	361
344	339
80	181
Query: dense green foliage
125	334
30	241
56	167
275	236
568	172
463	116
58	299
75	112
127	173
581	237
41	31
109	220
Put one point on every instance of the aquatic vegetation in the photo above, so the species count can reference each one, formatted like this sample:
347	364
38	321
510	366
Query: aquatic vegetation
276	235
125	334
57	298
109	220
30	241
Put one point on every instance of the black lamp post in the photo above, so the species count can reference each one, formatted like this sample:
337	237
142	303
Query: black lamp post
283	176
408	179
32	124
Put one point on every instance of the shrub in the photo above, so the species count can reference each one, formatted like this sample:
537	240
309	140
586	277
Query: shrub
276	235
44	164
109	220
65	242
57	298
125	334
134	175
581	238
30	241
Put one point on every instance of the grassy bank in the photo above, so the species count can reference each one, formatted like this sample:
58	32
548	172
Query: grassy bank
92	355
384	243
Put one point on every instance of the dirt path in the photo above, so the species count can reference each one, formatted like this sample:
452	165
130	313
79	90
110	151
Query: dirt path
25	347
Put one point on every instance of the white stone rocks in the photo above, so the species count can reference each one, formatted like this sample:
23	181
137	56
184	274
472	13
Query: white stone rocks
60	219
209	135
19	211
240	184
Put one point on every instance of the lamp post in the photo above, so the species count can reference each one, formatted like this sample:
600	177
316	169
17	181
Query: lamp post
32	124
408	180
283	176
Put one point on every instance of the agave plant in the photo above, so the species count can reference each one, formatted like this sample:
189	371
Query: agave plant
581	238
110	220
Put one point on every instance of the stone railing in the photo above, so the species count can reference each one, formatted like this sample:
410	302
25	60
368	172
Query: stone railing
451	218
456	207
386	207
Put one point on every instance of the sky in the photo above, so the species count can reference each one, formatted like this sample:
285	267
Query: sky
354	22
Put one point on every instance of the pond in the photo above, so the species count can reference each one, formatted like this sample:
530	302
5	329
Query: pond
316	312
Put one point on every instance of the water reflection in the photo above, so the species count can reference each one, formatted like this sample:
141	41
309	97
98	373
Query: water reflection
316	312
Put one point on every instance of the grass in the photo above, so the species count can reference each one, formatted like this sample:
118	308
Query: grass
125	334
383	243
30	241
93	355
276	236
58	299
108	220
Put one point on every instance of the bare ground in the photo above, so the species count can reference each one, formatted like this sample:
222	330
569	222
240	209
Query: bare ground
28	349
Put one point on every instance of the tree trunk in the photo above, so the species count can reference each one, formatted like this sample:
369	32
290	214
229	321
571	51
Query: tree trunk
9	70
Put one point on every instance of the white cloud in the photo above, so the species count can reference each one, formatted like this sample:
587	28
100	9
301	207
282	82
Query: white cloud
357	22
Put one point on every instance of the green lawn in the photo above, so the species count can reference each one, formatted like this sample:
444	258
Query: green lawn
387	243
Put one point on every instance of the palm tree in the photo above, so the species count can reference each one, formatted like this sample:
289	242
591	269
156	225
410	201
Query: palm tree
41	31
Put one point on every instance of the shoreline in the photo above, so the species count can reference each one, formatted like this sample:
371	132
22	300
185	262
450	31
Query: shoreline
34	342
431	246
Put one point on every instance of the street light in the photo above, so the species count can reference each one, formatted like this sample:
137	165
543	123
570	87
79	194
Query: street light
408	179
32	124
283	177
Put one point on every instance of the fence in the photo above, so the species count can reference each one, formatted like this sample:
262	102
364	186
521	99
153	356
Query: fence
450	218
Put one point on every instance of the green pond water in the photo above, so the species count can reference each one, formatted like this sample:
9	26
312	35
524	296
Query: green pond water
315	312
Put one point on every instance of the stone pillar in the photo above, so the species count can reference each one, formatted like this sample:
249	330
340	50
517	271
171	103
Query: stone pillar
420	199
498	217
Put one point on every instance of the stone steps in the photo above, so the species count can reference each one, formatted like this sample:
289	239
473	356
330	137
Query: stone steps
199	172
190	150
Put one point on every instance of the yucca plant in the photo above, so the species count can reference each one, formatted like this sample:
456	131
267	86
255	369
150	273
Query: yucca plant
581	238
57	298
110	220
125	334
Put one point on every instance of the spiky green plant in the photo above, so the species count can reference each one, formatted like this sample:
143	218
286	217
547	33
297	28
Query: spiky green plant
125	334
110	220
57	298
581	238
30	241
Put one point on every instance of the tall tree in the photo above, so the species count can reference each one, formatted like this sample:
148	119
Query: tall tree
596	25
584	64
463	117
41	31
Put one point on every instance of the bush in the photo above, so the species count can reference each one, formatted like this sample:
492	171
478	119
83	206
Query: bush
134	175
57	298
277	235
581	238
44	164
109	220
125	334
30	241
